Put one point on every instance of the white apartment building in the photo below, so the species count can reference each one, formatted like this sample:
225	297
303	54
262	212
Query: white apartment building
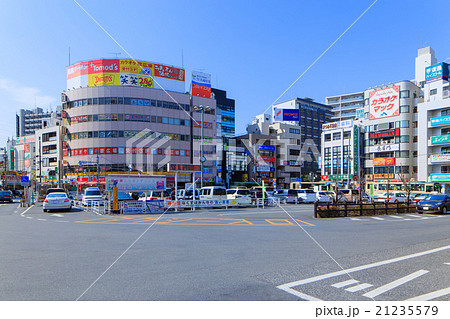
346	106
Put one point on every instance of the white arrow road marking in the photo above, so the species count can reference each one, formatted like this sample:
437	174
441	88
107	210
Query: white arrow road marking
378	291
345	283
358	287
431	295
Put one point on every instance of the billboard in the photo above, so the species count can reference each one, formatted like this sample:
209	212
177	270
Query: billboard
201	84
131	183
437	71
384	161
127	72
336	125
384	103
390	133
286	114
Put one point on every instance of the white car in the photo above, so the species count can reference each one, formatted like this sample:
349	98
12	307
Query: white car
242	196
325	196
92	194
394	197
307	195
57	201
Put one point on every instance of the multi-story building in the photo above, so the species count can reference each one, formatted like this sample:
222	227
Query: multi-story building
227	111
308	117
434	126
345	106
28	121
342	152
134	121
391	135
48	163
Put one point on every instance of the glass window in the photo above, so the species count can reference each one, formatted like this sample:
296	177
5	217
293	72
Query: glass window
120	100
433	92
102	134
126	100
113	100
404	94
95	101
95	117
404	124
95	133
404	109
327	137
101	100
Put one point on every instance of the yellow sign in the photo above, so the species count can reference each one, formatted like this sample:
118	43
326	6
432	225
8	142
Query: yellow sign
101	79
137	67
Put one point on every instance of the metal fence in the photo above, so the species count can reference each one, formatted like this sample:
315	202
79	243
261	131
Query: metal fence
329	210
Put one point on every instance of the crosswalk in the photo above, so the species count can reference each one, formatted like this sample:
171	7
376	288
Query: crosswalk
400	217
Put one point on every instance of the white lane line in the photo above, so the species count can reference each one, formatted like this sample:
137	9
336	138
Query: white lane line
61	221
57	215
413	216
358	287
447	264
354	218
393	216
394	284
431	295
377	218
28	217
288	286
42	219
409	219
345	283
26	210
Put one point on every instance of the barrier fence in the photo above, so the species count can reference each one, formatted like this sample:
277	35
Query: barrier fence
329	210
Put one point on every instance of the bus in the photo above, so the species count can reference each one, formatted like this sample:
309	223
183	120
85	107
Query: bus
316	186
381	187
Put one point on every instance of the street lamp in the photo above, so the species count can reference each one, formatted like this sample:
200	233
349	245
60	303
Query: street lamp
202	108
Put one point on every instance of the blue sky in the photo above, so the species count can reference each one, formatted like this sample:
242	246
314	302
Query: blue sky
253	49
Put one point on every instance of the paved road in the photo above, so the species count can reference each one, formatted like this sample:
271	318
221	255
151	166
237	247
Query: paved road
239	254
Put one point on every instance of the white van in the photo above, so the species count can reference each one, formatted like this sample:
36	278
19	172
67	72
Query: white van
308	195
213	193
242	196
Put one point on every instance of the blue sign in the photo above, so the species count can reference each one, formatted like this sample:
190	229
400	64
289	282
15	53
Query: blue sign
291	115
24	179
440	177
438	70
440	120
286	114
266	148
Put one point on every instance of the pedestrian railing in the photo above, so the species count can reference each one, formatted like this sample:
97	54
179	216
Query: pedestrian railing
329	210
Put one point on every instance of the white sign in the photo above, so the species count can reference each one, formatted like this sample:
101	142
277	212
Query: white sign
135	183
384	148
336	125
384	103
440	158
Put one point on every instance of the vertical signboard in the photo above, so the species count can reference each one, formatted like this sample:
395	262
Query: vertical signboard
355	149
384	103
201	84
11	158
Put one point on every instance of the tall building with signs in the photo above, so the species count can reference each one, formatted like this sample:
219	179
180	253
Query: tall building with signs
137	116
342	152
308	116
434	126
391	133
346	106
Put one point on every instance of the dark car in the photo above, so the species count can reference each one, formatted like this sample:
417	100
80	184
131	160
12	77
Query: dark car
6	196
434	204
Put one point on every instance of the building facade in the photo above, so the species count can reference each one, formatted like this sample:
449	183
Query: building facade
346	106
391	134
28	121
135	122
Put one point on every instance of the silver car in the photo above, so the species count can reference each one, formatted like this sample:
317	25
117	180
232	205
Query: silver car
57	201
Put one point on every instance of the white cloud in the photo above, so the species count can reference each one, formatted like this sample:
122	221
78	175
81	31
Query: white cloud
25	96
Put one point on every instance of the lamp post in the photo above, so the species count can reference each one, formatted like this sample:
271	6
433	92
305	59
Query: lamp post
202	154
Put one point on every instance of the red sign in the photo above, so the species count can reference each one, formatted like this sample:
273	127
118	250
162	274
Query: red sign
389	133
201	90
267	158
325	177
100	66
169	72
77	70
383	161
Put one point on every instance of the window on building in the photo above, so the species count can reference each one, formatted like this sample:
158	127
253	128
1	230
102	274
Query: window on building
404	109
347	135
445	131
404	94
336	136
402	139
433	92
327	137
445	112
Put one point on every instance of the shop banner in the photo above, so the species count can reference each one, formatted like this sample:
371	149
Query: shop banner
104	79
384	103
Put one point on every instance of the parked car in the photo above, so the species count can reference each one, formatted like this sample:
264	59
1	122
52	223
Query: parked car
423	196
255	194
6	196
366	199
325	197
242	196
213	192
394	197
351	195
57	201
91	195
154	195
288	196
307	195
269	189
434	204
184	194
